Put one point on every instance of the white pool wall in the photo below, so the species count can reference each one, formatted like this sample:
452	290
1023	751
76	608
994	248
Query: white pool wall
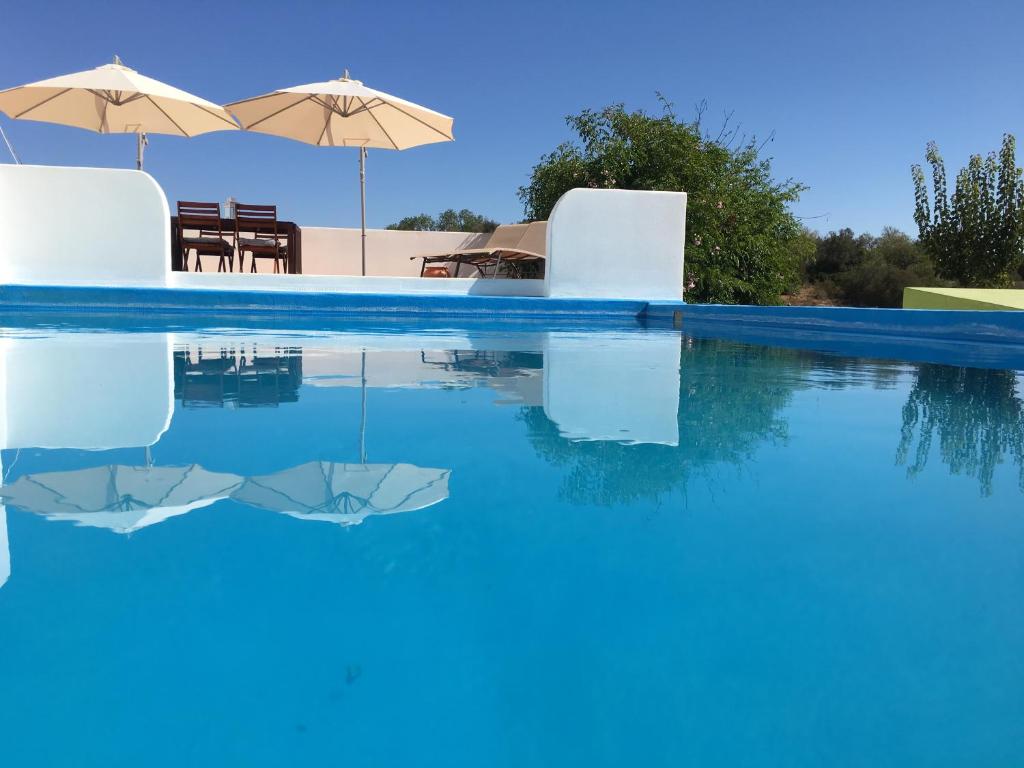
82	226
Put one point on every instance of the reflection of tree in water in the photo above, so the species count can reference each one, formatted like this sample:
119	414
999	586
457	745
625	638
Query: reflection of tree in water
978	415
729	402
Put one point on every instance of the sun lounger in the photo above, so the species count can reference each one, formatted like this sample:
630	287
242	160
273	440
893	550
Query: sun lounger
510	245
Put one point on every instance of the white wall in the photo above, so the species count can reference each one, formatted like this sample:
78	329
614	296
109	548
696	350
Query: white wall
85	390
331	251
614	243
463	286
82	226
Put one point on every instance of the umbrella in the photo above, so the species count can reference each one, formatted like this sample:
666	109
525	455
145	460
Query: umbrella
344	113
121	498
345	493
115	99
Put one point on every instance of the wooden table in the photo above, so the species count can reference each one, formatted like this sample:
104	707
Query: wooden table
290	231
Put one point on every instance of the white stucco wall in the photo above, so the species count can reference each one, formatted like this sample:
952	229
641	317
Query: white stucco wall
82	226
335	251
463	286
613	243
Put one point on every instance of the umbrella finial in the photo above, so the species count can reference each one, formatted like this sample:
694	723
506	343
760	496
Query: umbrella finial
117	61
345	76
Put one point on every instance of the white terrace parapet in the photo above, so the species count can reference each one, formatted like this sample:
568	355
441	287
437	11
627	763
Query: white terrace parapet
617	244
102	227
82	226
338	251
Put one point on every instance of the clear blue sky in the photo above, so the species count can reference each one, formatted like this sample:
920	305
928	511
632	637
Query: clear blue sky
851	90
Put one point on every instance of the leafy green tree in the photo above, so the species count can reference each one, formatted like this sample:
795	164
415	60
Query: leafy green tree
743	243
865	271
423	222
449	220
890	263
838	252
464	221
975	236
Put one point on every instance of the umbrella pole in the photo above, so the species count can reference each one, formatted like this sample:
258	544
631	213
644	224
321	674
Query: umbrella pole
362	199
362	417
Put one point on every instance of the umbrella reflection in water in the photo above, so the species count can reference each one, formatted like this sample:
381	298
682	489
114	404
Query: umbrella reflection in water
120	498
345	493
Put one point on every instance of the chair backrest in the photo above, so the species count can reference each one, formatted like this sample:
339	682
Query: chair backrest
258	219
536	238
202	216
506	236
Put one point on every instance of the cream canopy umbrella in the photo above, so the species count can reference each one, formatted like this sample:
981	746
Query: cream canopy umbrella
344	113
115	99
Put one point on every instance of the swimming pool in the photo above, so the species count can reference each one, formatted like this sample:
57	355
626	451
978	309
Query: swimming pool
506	545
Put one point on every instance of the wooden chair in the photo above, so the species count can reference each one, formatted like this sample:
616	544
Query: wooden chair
261	222
204	217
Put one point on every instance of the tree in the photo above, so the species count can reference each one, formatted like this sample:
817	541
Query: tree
743	243
423	222
464	221
838	252
866	271
975	237
449	220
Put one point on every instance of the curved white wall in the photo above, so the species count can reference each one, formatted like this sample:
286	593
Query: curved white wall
617	244
82	226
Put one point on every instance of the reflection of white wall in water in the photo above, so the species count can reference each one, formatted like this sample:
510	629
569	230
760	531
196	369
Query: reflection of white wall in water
5	545
615	386
391	360
5	548
85	390
621	386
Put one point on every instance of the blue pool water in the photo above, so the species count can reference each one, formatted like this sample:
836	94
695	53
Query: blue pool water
507	546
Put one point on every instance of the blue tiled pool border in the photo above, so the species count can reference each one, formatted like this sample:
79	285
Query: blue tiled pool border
989	327
138	300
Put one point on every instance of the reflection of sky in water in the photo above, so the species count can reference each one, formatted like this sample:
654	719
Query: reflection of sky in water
680	551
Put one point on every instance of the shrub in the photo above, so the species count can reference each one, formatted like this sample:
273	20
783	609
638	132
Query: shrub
865	271
743	243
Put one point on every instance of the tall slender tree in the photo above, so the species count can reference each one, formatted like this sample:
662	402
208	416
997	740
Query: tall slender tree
975	236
